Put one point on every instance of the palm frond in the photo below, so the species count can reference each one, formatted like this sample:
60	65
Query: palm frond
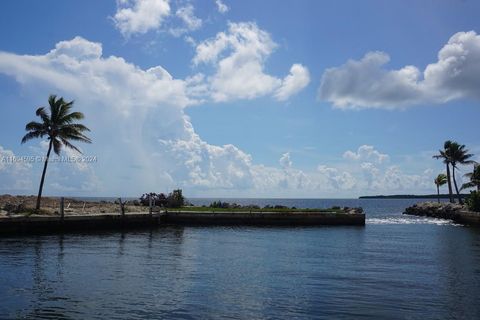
72	131
468	185
55	107
70	117
57	146
32	135
67	144
447	144
35	126
76	137
465	162
51	99
58	124
440	180
64	109
42	113
74	127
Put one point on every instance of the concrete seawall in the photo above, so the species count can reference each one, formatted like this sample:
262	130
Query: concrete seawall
47	224
468	217
265	218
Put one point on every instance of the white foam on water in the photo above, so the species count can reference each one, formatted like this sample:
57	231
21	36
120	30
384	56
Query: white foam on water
411	220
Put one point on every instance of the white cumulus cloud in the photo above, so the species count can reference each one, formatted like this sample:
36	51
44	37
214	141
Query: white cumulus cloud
334	178
140	16
190	21
366	153
221	7
285	161
366	83
14	172
298	79
187	15
238	56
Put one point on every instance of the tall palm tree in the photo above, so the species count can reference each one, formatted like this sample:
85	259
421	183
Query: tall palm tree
58	125
458	155
474	178
444	155
440	180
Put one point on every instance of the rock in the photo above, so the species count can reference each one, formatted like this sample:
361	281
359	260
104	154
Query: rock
355	210
444	210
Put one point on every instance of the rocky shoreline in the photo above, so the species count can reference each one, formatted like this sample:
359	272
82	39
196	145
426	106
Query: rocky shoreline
445	210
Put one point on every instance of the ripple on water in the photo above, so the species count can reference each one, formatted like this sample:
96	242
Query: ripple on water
411	220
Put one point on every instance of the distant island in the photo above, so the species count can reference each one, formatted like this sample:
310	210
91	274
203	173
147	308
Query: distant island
411	196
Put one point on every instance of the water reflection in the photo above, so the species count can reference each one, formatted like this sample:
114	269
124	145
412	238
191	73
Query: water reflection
60	256
44	303
380	271
459	246
121	243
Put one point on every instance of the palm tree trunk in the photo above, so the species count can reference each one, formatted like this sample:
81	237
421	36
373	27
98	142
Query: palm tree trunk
438	193
39	197
456	187
449	182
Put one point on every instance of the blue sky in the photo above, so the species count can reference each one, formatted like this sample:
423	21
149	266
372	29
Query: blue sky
242	98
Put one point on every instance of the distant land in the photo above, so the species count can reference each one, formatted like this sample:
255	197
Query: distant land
412	196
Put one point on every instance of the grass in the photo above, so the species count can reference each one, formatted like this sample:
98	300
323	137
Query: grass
279	210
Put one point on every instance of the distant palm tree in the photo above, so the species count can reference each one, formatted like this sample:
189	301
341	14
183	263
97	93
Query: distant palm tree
59	126
440	180
443	154
458	155
474	179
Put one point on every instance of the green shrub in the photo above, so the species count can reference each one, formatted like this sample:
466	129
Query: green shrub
158	199
473	201
175	199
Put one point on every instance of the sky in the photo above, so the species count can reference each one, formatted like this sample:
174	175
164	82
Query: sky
222	98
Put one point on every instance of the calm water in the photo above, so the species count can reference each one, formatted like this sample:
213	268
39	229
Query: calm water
396	267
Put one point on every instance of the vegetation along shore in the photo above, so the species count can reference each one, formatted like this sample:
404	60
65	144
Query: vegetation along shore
17	214
466	209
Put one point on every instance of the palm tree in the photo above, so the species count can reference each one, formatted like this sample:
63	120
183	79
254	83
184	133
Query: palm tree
60	127
458	155
440	180
443	154
474	179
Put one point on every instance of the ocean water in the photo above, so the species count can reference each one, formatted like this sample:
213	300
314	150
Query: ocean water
396	267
